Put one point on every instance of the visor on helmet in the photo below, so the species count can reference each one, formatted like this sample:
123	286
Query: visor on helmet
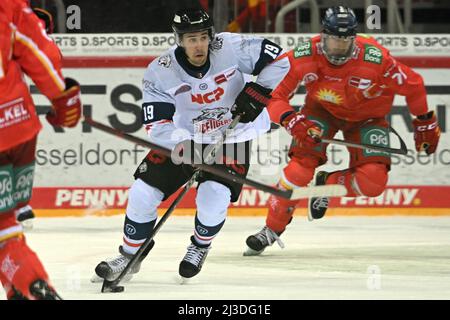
338	50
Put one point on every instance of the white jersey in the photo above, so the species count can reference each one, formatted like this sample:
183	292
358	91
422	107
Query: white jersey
178	105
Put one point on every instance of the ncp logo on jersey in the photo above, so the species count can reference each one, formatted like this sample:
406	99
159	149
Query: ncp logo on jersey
208	97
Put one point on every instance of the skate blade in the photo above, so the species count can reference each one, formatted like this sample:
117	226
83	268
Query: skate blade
27	225
250	252
329	190
309	215
96	279
182	280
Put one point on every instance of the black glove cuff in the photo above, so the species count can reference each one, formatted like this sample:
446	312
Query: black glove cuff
426	116
71	83
285	115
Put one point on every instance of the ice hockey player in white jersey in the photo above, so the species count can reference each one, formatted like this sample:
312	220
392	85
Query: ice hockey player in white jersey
188	93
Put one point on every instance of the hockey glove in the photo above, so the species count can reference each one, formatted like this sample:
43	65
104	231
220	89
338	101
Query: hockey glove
426	132
66	111
251	101
305	132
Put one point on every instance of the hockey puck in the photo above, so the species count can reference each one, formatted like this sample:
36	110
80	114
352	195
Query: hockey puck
109	286
117	289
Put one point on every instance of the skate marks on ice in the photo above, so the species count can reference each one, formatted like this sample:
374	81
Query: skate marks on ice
337	258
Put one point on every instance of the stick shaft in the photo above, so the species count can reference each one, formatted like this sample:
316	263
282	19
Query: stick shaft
365	146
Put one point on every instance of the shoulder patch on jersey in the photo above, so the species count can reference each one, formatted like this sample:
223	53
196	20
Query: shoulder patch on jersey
217	43
372	54
304	49
165	61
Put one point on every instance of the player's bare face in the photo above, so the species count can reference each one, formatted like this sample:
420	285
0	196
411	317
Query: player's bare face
196	46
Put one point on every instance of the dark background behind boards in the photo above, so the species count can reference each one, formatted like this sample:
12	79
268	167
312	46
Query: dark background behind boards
117	16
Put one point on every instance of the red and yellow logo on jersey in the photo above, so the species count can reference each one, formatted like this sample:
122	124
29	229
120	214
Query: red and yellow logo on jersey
329	96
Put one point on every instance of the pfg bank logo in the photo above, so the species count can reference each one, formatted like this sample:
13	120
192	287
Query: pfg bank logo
373	54
25	178
24	184
376	137
5	183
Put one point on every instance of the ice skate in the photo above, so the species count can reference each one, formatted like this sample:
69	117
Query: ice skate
317	206
25	217
258	242
193	260
110	269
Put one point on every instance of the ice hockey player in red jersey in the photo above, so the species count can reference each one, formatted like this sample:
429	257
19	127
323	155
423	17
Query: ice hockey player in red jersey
25	214
25	48
351	81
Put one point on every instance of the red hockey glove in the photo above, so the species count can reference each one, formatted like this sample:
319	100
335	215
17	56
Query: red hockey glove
22	274
426	132
66	111
305	132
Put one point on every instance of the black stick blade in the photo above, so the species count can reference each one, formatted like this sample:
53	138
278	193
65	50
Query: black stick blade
109	286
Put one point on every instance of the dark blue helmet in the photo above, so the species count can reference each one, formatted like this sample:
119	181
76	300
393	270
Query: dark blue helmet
340	21
338	34
192	20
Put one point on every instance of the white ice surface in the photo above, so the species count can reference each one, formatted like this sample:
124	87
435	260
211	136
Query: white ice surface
332	258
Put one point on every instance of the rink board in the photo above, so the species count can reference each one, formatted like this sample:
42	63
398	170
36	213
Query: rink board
396	200
82	171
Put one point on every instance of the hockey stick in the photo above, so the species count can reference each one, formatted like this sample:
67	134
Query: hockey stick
332	190
403	149
113	286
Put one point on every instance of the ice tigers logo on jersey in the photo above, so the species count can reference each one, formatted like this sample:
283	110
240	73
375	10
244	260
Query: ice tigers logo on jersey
210	120
211	114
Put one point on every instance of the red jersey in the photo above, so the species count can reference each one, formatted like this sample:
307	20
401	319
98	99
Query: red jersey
362	88
24	48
